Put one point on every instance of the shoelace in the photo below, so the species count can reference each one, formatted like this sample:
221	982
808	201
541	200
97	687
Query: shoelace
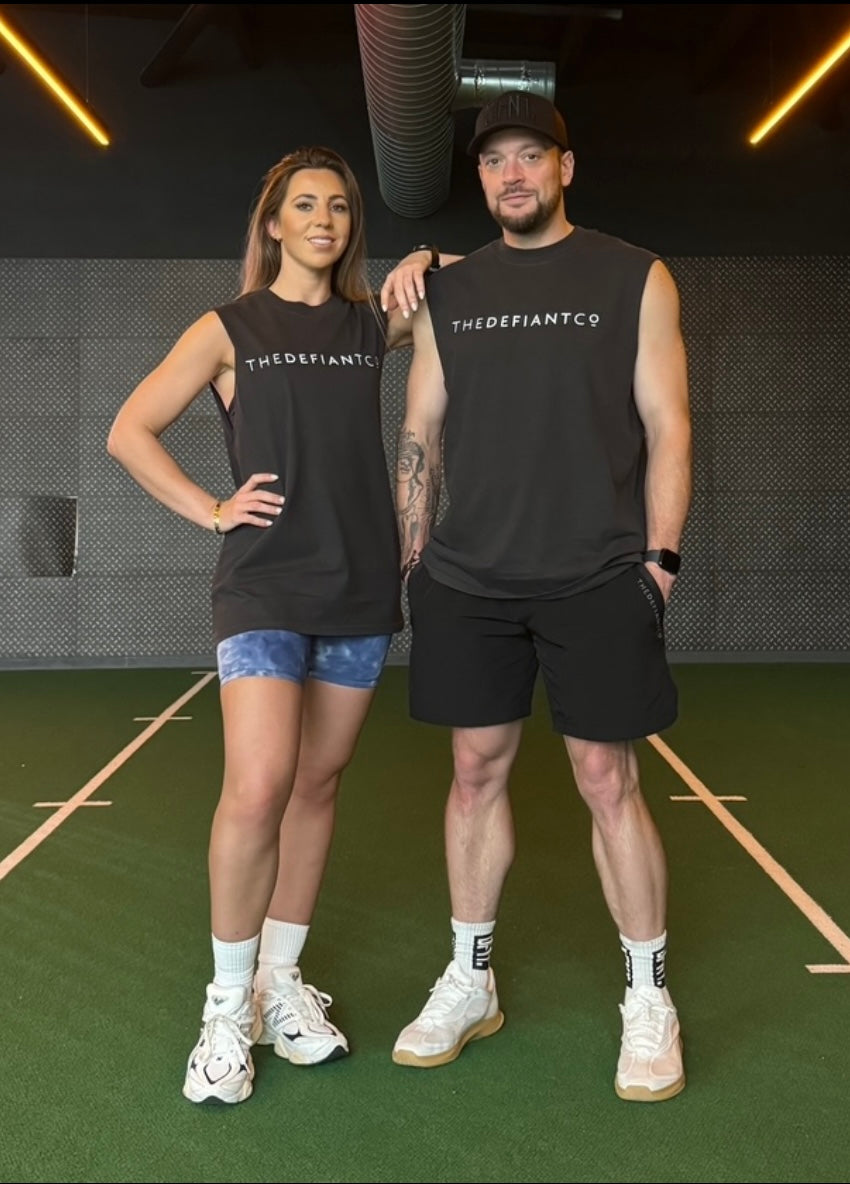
303	999
316	1003
222	1030
645	1024
446	993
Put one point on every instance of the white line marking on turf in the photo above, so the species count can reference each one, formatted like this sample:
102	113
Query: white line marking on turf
66	809
56	805
721	797
807	906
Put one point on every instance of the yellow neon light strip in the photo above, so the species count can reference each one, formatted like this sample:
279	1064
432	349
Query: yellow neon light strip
43	71
814	76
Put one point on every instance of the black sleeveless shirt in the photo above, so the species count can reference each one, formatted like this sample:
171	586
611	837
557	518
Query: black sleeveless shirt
307	407
544	451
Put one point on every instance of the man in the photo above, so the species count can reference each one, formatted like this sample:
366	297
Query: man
549	382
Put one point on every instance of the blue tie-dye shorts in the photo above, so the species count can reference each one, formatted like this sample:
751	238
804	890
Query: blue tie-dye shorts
277	653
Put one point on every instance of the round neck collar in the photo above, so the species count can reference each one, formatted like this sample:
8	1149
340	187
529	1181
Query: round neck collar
534	256
300	306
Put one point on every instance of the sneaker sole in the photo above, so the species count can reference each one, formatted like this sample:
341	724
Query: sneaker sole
295	1058
486	1027
281	1050
213	1099
642	1093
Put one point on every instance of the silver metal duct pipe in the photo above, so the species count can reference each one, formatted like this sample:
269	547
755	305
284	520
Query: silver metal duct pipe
415	80
480	82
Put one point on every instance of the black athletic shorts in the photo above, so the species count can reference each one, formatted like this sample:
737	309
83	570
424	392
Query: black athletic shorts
474	659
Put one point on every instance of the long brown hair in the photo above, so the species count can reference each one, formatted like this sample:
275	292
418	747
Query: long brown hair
261	260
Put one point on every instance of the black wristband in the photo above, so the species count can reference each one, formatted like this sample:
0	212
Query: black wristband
434	265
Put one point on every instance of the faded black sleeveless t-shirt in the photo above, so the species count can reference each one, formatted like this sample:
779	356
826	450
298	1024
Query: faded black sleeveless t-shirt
544	451
307	407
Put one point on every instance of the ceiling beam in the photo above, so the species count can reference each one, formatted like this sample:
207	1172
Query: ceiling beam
163	65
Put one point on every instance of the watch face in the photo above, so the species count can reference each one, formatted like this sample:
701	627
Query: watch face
666	560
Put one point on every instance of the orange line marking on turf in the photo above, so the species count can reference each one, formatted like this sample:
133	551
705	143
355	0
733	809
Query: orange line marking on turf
809	907
721	797
143	719
66	809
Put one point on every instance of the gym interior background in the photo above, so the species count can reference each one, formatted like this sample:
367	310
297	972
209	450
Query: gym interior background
106	254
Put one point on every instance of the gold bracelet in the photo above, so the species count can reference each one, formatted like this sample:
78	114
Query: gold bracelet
217	518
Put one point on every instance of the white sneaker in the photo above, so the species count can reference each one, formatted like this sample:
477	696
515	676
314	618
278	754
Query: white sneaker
650	1066
295	1020
220	1068
458	1011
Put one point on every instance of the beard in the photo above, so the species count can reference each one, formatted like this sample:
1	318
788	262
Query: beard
528	223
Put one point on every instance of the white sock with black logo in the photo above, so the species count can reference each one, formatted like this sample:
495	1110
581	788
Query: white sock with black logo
234	962
645	961
281	944
472	942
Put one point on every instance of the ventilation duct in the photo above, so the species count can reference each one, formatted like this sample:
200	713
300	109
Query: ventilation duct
479	82
415	80
409	54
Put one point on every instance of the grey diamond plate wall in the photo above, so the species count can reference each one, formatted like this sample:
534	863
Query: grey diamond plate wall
120	580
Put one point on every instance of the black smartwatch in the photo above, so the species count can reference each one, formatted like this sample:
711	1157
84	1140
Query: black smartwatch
434	265
669	561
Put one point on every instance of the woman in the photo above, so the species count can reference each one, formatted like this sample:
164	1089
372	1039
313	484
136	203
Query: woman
306	594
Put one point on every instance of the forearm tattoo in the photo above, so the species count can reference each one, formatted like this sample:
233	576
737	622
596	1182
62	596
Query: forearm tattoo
417	495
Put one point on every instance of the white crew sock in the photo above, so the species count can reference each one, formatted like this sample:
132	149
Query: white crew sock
234	962
472	942
281	943
645	961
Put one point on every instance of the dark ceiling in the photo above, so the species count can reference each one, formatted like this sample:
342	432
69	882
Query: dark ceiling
754	51
659	100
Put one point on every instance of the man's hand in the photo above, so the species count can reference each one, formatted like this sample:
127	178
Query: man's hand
664	579
409	565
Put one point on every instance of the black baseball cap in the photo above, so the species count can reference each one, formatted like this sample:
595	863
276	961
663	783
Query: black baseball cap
519	108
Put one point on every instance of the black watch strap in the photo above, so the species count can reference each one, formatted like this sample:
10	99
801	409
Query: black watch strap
434	265
667	560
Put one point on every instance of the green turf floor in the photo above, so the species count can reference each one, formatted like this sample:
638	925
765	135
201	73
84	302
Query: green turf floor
106	950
